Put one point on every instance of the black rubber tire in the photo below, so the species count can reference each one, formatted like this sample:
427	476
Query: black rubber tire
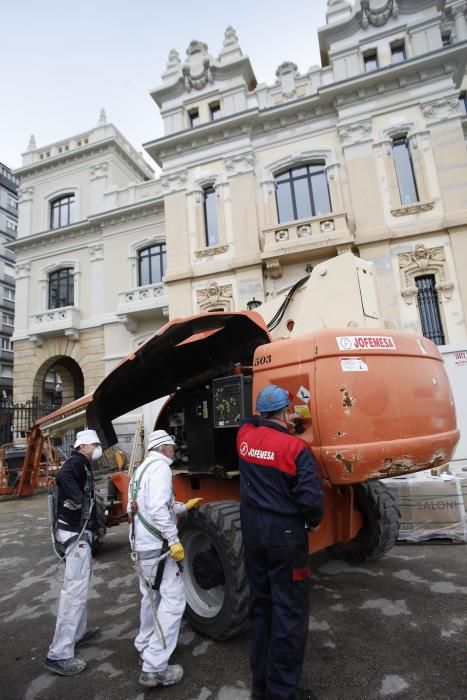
217	526
381	527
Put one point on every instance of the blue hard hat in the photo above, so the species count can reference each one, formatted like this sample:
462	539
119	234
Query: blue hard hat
272	398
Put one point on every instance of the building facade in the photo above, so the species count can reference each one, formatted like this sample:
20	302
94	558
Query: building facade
259	183
9	185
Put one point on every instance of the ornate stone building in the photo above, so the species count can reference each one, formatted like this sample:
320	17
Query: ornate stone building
259	183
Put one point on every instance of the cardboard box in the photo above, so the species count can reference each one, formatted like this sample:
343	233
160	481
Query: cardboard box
431	507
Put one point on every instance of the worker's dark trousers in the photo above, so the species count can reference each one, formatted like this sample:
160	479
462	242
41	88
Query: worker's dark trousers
276	558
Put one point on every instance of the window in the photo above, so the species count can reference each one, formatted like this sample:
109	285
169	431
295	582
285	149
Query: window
211	228
428	307
404	171
6	343
8	319
370	60
9	270
398	52
446	38
152	264
463	104
62	211
12	202
193	116
302	192
214	111
11	225
61	288
8	294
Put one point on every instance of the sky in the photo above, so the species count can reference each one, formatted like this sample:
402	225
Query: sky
63	61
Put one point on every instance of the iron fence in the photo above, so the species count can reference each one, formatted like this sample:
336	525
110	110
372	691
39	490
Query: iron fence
19	417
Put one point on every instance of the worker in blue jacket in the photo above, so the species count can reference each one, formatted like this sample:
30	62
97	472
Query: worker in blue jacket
279	496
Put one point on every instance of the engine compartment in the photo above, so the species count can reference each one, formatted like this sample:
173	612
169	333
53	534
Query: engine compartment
205	420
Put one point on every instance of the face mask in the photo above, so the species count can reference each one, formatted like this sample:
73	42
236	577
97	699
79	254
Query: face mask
97	453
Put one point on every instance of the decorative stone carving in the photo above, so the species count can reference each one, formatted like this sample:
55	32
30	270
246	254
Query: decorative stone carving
25	194
130	323
286	73
96	252
304	231
212	250
214	295
98	170
327	226
230	48
243	163
175	182
197	70
174	66
440	110
350	134
422	261
273	269
22	270
413	209
32	144
378	17
282	234
102	118
144	293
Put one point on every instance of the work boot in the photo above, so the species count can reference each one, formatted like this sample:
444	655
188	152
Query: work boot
88	636
171	675
65	667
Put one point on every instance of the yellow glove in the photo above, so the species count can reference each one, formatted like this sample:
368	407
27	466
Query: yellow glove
193	503
176	551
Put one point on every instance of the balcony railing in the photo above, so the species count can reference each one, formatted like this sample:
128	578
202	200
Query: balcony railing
319	232
62	321
141	301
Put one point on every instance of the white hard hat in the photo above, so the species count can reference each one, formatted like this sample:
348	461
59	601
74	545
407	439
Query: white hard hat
158	438
86	437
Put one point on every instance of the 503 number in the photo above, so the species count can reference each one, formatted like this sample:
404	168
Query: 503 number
262	360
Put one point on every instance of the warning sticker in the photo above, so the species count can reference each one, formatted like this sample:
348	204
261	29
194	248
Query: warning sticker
302	411
303	394
365	342
353	364
461	358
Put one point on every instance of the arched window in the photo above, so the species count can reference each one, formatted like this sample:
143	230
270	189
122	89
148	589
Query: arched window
62	211
302	192
152	264
61	288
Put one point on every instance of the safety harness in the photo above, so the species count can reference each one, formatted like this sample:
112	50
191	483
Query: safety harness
134	510
60	548
155	579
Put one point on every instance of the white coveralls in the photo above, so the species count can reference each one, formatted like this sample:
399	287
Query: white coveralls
157	505
72	613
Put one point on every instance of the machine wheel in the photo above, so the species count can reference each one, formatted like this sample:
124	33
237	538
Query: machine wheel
381	527
213	570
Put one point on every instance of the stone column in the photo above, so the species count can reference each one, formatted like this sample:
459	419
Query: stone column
460	22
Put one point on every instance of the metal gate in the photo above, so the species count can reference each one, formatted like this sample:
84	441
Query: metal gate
17	418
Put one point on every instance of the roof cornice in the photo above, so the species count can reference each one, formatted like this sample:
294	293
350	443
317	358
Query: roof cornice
56	235
82	152
444	61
